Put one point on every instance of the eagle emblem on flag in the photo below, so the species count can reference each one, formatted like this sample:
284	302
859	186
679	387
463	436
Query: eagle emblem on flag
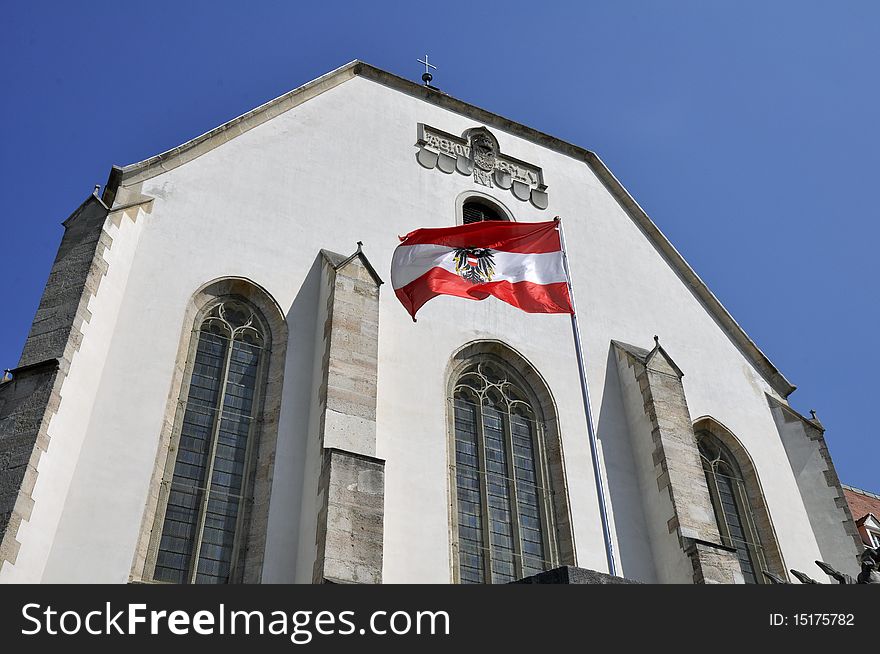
522	264
474	265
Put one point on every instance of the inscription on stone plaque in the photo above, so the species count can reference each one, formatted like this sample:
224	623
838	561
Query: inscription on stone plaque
476	153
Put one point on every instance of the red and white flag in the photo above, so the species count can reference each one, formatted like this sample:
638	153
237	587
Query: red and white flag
519	263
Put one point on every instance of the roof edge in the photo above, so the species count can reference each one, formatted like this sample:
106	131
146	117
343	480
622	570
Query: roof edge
861	491
746	345
338	261
92	199
193	148
775	402
638	353
157	164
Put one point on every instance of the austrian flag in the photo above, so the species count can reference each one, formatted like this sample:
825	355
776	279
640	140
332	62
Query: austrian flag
519	263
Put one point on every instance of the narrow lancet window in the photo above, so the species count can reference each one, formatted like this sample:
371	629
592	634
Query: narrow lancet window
503	502
207	499
734	515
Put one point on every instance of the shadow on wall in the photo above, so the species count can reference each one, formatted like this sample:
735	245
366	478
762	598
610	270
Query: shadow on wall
289	485
633	550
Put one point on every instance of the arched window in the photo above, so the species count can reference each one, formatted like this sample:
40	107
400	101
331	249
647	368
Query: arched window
475	211
207	498
502	492
730	500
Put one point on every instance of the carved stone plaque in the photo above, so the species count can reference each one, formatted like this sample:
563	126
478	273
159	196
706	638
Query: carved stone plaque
476	153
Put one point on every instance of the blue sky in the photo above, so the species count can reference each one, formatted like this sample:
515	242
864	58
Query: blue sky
747	130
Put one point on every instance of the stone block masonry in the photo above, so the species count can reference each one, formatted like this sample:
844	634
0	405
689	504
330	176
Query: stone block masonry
350	519
683	533
26	405
351	486
28	402
830	517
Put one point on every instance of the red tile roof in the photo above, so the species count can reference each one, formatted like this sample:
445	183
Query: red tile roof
861	503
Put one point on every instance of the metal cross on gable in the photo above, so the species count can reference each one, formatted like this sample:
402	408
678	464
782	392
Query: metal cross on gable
427	76
427	65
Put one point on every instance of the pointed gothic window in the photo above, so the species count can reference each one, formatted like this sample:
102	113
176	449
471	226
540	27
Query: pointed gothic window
503	504
736	520
208	497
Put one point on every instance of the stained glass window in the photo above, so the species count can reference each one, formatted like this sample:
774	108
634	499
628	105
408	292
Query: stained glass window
208	491
503	503
731	504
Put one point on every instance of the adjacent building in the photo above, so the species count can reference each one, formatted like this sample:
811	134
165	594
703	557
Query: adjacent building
865	508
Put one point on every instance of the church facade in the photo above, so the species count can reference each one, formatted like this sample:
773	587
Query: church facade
218	387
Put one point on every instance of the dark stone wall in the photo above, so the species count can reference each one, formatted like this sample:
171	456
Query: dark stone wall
31	398
25	405
75	277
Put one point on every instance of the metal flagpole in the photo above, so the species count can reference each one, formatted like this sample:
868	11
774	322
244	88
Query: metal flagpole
585	391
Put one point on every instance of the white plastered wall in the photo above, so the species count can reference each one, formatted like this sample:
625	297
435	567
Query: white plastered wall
342	168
